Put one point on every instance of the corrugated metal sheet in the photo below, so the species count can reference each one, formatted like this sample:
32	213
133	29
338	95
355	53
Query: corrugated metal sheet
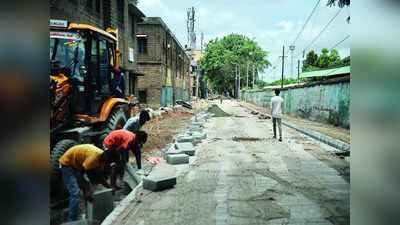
324	73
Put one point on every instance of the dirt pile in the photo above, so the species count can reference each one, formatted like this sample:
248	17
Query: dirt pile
218	112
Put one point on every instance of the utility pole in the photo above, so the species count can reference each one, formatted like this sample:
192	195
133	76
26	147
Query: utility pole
292	47
239	83
235	90
247	73
254	71
201	42
298	71
283	64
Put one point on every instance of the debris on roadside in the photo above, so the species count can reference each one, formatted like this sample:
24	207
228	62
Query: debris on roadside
241	116
234	138
153	160
263	117
254	112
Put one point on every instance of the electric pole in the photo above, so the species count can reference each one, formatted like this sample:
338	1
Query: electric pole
298	71
283	64
254	71
239	84
292	47
247	73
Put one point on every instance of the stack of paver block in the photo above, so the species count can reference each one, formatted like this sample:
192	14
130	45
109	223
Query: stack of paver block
179	153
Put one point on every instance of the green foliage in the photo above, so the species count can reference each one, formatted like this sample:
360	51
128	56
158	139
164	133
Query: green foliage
221	56
286	81
326	60
341	3
310	61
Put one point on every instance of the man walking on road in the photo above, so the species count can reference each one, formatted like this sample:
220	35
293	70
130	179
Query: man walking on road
276	111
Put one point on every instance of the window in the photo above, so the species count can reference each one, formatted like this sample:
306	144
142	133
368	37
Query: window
104	64
143	96
142	45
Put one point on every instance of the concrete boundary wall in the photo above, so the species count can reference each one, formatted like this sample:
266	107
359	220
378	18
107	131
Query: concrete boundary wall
327	102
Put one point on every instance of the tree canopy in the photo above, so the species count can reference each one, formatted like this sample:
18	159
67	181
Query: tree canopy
341	3
325	60
222	56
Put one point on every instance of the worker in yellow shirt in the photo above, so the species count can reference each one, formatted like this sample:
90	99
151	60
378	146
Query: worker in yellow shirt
76	164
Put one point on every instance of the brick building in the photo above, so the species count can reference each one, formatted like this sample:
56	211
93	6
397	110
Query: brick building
118	14
165	63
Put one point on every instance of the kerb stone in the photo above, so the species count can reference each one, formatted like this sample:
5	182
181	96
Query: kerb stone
186	148
199	135
181	139
83	222
158	183
101	206
185	145
174	152
177	159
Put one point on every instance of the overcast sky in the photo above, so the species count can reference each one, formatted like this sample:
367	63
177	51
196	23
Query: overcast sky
272	24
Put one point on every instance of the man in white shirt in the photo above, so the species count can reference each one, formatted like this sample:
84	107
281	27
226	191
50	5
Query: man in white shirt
276	111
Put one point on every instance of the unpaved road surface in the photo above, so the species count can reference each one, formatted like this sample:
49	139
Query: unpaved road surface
297	181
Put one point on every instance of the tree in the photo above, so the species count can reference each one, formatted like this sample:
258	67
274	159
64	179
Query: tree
341	4
221	57
327	59
310	61
346	61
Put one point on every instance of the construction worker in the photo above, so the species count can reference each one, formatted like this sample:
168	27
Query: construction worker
123	141
118	82
135	123
76	164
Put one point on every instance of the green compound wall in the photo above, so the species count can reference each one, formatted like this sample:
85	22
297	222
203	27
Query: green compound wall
327	103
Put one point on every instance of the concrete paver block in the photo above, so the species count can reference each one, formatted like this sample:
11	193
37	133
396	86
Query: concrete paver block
199	135
174	152
83	222
177	159
187	148
200	124
184	139
101	206
189	152
184	145
195	129
157	183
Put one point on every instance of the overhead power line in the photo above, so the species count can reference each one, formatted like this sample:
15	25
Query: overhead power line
320	33
308	19
340	42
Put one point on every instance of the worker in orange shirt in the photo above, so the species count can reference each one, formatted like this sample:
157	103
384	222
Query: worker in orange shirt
123	141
